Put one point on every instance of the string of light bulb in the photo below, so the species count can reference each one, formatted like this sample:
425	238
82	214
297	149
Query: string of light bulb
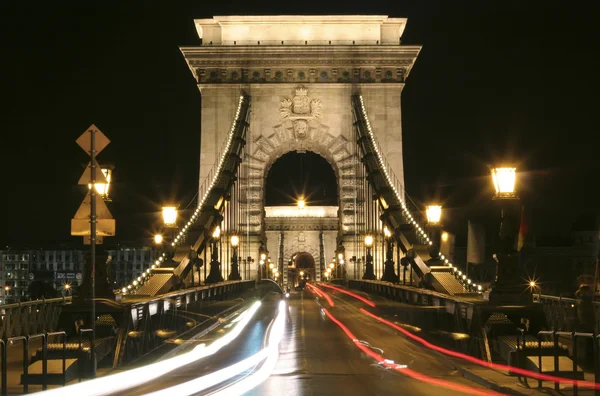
420	230
180	236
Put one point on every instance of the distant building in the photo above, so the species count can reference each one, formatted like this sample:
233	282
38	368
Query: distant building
560	269
57	268
128	263
14	276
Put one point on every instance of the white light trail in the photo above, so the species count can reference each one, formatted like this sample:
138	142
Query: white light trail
135	377
271	353
255	379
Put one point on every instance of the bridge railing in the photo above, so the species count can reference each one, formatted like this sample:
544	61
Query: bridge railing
149	323
439	310
31	317
567	314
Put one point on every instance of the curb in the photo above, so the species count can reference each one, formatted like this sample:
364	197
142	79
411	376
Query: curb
487	383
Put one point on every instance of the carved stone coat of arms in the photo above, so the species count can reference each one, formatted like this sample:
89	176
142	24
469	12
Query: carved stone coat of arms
299	111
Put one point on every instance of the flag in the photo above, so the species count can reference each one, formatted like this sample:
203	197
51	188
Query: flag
475	243
523	230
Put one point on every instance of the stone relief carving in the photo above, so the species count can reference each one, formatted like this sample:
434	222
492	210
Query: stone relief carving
299	111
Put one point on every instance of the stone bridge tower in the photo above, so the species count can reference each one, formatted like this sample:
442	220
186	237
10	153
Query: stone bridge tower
301	72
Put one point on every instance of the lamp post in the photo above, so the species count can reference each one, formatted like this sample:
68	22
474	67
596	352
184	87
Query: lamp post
215	266
169	215
388	273
434	226
102	189
263	259
235	273
369	273
434	217
506	288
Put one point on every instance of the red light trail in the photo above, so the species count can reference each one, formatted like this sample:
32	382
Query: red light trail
517	370
368	302
407	371
320	294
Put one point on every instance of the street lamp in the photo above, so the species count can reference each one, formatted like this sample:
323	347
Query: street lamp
235	273
301	203
434	214
169	214
103	188
215	266
504	180
158	239
388	274
507	287
369	273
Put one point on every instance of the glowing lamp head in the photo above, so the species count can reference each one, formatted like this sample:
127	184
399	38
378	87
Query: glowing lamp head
124	290
301	203
445	236
169	214
263	256
369	240
340	256
434	214
532	284
331	265
386	232
158	239
271	265
301	273
217	233
235	240
102	188
504	181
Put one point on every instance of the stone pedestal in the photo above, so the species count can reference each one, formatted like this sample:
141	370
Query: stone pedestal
509	288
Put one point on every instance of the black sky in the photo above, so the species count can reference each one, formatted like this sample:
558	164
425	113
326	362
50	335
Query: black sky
495	80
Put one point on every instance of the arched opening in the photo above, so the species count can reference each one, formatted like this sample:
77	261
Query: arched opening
301	268
307	175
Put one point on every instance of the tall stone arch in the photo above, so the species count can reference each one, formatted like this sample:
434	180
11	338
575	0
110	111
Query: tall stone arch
300	72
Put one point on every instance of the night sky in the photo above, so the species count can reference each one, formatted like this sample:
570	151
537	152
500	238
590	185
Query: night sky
495	80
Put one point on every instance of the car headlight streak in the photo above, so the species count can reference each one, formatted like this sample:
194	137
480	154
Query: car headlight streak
135	377
270	353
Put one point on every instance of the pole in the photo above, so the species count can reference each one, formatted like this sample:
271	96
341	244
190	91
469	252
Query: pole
93	244
595	278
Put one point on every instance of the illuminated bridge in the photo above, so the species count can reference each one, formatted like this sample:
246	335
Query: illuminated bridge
373	306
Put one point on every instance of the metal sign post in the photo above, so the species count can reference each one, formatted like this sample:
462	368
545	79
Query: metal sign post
93	141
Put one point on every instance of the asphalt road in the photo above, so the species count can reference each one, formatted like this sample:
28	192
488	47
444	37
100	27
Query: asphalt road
317	358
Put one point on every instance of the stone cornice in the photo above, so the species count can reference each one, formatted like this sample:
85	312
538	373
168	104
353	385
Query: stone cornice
299	54
310	64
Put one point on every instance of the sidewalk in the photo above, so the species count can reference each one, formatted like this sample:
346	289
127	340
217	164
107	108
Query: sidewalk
500	381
